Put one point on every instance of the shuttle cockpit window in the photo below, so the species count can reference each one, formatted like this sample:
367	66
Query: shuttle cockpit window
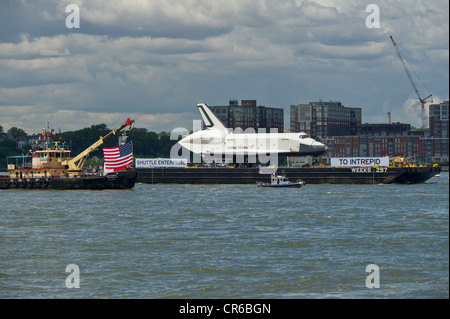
303	135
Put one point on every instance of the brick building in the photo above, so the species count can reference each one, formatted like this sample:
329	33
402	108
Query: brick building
354	139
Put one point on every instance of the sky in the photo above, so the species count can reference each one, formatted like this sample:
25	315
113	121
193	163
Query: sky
153	60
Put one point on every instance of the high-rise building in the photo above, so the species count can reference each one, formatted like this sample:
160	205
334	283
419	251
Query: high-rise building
325	119
250	115
438	120
438	123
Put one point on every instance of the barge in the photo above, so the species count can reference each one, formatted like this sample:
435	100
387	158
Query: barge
310	175
50	166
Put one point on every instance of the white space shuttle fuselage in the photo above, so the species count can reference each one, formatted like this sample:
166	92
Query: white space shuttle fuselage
216	140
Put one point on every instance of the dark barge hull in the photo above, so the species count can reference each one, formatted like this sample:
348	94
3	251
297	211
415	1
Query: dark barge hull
116	180
310	175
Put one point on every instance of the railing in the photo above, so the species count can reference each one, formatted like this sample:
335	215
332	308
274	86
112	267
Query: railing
19	162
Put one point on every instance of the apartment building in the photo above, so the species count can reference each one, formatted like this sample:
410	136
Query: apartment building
249	115
325	119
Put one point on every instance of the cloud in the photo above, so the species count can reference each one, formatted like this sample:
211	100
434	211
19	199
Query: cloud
63	119
156	59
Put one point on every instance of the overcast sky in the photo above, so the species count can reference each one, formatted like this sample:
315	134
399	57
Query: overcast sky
153	60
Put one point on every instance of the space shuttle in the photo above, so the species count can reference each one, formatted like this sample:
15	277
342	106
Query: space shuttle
216	140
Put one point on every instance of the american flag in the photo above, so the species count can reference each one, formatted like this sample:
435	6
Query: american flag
118	158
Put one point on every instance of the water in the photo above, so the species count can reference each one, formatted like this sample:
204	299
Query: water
227	241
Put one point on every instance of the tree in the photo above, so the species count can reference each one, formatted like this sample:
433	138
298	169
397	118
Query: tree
16	132
7	148
81	139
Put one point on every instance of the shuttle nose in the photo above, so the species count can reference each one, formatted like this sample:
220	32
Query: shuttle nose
185	141
319	147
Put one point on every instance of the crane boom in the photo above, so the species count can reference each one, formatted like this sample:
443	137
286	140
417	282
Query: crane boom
76	163
422	101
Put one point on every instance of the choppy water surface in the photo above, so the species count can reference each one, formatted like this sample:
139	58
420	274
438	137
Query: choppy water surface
227	241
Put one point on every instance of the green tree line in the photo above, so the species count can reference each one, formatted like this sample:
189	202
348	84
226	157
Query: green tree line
9	147
145	143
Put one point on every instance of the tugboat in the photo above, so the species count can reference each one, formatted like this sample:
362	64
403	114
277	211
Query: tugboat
281	181
51	167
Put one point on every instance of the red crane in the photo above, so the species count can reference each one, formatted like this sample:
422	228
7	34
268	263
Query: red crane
422	101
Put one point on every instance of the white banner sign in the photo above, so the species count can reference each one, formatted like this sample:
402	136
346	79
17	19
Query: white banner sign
160	162
359	161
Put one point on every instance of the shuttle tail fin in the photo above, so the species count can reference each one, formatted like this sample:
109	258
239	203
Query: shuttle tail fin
210	120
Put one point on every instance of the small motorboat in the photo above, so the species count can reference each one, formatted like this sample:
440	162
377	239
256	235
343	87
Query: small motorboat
280	181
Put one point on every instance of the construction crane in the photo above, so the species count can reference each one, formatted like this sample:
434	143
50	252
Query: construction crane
422	101
75	164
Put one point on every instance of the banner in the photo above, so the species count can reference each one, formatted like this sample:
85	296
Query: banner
160	162
359	161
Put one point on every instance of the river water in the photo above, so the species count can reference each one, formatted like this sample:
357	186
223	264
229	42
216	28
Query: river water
227	241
